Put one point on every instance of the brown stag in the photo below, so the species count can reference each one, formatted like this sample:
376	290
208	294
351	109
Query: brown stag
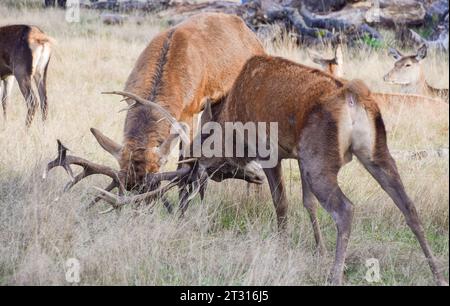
25	53
179	70
322	122
408	73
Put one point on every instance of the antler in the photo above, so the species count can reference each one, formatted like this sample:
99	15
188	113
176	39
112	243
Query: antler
89	168
138	100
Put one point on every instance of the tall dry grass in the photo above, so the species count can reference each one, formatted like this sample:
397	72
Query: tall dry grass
230	239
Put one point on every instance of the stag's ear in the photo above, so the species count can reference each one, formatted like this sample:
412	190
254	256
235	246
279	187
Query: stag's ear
395	53
421	52
108	144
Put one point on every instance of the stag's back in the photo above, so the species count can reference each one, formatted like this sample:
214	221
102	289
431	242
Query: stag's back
204	55
271	89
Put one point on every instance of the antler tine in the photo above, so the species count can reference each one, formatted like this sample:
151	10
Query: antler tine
144	102
117	201
168	176
110	187
174	122
59	161
89	168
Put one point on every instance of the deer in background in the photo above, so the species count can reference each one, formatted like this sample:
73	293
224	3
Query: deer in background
322	122
334	66
386	101
183	66
25	53
408	73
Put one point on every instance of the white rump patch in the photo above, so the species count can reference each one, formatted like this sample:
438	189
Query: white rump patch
355	131
41	56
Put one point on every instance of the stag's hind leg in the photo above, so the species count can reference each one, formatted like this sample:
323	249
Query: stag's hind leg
41	83
382	167
320	161
24	81
324	186
309	202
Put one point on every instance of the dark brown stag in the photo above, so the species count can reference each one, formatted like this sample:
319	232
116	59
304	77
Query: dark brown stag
25	52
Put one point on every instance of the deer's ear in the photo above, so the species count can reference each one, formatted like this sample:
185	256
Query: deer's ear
421	52
319	61
207	113
395	53
108	144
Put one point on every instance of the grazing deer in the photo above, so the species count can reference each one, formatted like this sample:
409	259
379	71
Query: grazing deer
408	73
25	53
322	122
178	71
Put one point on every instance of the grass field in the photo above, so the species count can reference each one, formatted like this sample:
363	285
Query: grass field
231	238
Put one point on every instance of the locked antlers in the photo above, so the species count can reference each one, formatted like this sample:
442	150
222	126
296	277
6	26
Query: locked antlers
152	180
174	178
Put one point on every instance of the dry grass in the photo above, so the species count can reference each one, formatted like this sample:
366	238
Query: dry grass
229	239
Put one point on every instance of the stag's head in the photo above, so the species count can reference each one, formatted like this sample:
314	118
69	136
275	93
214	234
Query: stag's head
407	69
149	135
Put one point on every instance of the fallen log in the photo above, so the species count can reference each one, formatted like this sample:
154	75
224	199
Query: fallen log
338	25
298	23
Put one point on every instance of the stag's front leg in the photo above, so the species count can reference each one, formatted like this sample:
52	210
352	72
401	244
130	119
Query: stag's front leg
184	190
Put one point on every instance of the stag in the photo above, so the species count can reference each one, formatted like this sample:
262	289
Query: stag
322	122
179	70
25	53
409	74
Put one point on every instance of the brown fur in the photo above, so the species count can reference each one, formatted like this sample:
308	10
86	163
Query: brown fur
322	122
181	67
25	52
